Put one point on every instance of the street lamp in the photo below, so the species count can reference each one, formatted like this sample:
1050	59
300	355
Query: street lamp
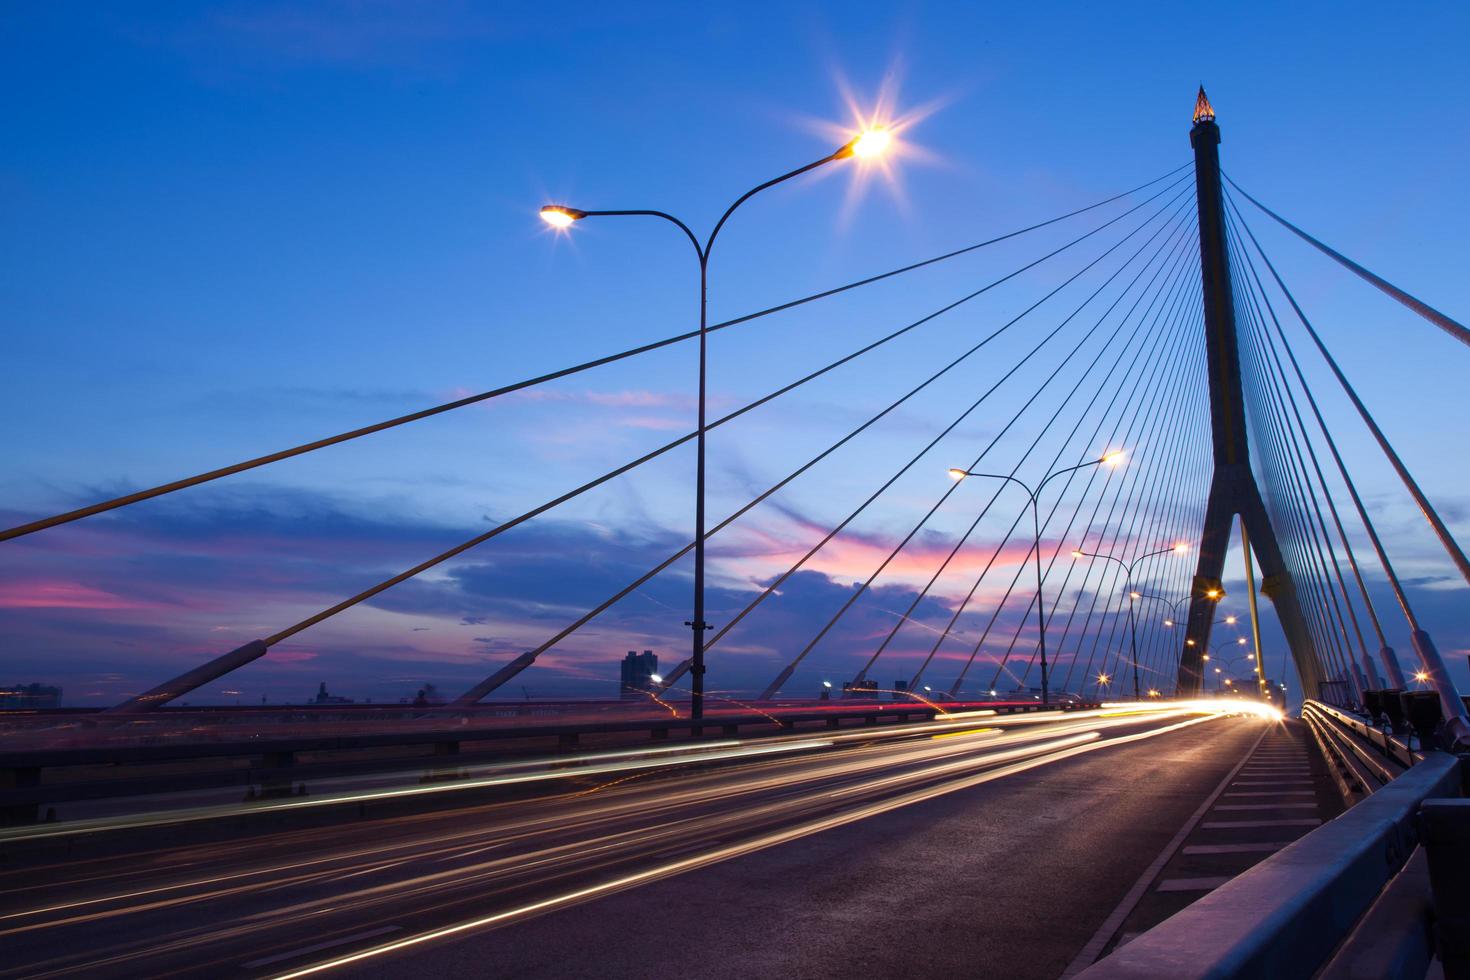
1172	604
869	143
957	474
1128	566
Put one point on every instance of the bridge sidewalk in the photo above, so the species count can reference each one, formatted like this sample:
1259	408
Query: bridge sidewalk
1282	792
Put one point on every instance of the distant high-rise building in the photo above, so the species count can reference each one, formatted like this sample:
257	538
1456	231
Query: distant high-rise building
30	696
638	671
322	697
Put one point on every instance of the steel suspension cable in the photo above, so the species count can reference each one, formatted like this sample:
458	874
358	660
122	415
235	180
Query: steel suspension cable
1282	494
308	447
773	586
1179	387
1090	440
1140	511
1342	469
1447	540
1145	414
1091	478
1118	433
924	592
1271	344
811	644
611	474
1445	323
475	693
1144	410
1284	398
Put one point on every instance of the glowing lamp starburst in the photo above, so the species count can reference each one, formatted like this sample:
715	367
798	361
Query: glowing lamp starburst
558	216
872	142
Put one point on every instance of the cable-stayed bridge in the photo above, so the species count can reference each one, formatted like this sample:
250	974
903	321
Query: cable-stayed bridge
1150	406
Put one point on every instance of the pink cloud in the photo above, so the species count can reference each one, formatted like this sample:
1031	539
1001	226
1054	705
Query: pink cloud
62	595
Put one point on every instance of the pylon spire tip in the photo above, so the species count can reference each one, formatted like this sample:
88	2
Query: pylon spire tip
1203	111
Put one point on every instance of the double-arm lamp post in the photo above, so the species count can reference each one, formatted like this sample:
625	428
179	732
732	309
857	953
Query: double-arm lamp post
870	143
1128	567
1112	459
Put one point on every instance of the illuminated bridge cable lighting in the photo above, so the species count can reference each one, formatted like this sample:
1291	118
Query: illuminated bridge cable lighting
308	447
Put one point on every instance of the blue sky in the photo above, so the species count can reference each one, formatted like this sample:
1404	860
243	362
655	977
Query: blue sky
234	226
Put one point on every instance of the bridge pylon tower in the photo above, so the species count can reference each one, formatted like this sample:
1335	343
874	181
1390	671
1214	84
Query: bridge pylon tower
1233	489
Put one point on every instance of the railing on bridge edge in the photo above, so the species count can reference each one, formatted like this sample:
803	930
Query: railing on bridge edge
272	763
1349	899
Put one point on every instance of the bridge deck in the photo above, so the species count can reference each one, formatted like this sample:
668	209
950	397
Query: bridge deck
1004	878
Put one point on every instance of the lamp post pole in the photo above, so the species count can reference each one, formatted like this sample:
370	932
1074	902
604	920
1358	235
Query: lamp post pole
867	144
1033	495
1128	567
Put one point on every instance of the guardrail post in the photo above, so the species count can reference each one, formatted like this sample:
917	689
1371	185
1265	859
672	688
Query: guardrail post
275	775
1445	825
19	777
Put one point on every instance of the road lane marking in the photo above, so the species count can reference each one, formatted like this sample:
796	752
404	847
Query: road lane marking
304	950
1266	847
1283	792
1267	806
1114	922
734	850
1238	824
1192	884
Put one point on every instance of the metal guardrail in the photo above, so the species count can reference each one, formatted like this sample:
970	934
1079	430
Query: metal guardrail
1285	916
274	763
1288	915
1393	747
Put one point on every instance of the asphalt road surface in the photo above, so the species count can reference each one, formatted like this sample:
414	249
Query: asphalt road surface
976	847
